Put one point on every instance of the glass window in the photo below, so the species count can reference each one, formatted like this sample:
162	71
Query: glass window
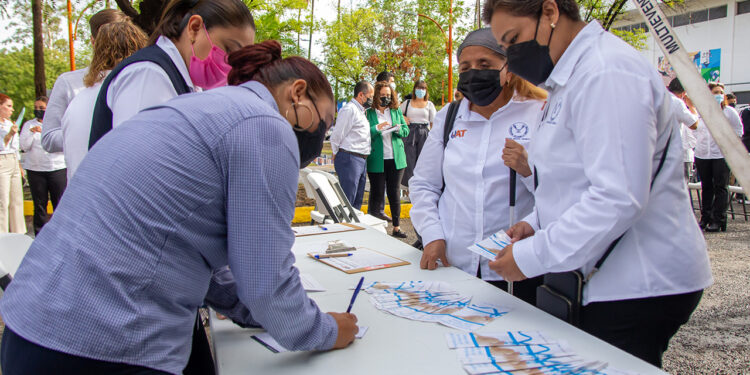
699	16
718	12
743	7
681	20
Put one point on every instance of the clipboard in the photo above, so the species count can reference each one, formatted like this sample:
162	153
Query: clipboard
314	230
362	260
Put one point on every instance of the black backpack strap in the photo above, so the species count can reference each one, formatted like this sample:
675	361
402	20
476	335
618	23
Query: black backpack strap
615	242
450	119
406	110
101	122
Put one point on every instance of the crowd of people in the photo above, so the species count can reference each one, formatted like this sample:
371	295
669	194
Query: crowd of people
167	142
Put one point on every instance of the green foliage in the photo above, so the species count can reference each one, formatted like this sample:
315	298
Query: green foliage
281	20
17	74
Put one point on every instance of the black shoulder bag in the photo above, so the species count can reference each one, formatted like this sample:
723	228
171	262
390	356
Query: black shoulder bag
561	294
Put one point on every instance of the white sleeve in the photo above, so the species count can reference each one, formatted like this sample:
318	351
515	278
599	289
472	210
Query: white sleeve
684	116
617	155
27	137
734	120
62	94
343	125
139	86
426	186
432	111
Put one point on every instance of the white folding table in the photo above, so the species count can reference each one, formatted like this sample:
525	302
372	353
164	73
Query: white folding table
395	345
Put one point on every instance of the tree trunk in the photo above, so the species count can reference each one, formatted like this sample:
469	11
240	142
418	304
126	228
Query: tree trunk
40	81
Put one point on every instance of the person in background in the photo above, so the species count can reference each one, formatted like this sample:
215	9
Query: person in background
11	190
115	42
595	163
69	84
419	113
455	206
187	53
112	283
389	78
350	144
687	117
387	160
45	170
732	100
713	169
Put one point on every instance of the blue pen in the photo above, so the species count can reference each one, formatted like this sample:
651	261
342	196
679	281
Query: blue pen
324	256
356	291
322	227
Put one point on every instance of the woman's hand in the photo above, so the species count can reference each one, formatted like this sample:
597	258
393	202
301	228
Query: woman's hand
383	125
348	329
432	252
505	266
35	129
521	230
516	157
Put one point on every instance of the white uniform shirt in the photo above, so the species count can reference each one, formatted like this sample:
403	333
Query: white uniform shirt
387	141
474	203
352	130
66	87
144	84
707	147
12	146
35	158
686	119
76	127
595	153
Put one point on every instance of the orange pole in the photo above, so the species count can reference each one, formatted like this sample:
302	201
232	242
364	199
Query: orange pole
70	37
450	52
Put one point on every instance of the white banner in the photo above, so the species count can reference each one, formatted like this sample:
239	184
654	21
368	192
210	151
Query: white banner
734	151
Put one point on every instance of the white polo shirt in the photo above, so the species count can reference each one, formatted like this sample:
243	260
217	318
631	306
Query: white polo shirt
595	152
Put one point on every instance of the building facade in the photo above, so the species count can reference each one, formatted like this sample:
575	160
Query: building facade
715	32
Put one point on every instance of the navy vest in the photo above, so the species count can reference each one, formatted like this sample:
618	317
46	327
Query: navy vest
101	123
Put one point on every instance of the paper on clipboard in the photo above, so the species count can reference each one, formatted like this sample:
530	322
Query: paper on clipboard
362	260
390	130
324	229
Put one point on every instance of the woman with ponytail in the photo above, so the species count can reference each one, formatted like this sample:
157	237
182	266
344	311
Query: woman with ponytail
113	283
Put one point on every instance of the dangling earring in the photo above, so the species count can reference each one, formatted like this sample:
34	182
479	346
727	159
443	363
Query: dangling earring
552	24
296	126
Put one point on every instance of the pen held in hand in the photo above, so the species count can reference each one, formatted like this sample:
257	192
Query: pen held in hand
356	292
324	256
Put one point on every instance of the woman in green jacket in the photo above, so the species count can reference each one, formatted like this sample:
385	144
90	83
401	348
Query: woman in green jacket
387	160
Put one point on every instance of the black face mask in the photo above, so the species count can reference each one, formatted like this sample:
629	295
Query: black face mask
481	87
733	105
385	101
310	144
39	114
531	61
367	103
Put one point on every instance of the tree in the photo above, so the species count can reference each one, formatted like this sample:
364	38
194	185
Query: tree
40	86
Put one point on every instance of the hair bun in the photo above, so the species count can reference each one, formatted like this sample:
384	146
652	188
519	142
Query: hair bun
249	60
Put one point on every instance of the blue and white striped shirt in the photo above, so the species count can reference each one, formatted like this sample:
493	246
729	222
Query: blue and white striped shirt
203	181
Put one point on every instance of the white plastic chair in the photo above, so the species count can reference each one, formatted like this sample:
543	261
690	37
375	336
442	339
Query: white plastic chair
13	248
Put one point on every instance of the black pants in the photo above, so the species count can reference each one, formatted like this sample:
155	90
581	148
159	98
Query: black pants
413	145
45	187
714	174
641	327
389	181
21	357
524	290
200	362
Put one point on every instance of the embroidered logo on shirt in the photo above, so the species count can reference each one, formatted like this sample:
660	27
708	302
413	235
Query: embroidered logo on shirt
519	131
458	133
555	113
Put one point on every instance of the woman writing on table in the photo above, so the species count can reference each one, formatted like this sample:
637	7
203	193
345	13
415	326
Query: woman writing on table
113	283
456	206
387	160
599	178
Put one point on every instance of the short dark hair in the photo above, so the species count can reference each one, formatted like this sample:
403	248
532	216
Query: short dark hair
361	86
214	13
529	8
675	86
731	96
42	99
384	76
